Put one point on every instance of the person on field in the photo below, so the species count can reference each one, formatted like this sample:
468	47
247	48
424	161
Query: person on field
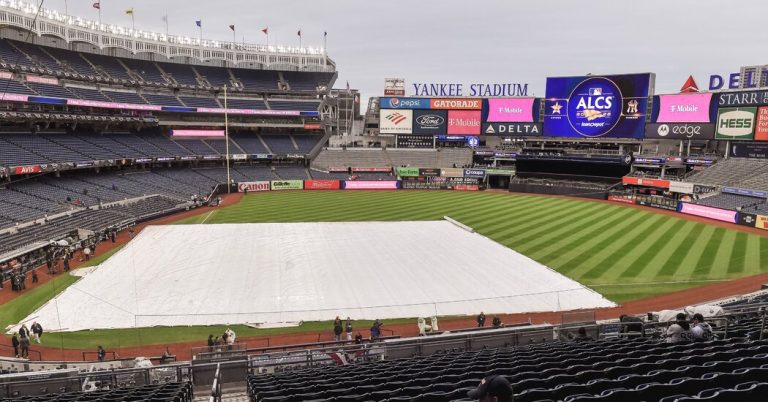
348	328
101	354
37	331
24	331
496	322
481	320
35	279
15	344
24	345
211	343
376	330
337	328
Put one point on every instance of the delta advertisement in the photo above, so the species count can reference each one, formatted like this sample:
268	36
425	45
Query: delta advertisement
597	106
708	212
683	108
736	123
395	121
464	122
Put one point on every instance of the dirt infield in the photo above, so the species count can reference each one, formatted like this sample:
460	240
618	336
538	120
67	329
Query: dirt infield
682	298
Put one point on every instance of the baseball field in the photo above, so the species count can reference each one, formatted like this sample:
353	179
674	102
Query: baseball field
622	252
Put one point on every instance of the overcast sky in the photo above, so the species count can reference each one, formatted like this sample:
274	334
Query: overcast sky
479	41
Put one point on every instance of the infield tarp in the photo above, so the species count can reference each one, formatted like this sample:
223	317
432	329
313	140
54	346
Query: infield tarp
272	272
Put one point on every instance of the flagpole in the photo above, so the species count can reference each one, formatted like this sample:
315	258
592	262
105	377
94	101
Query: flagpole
166	23
133	21
226	134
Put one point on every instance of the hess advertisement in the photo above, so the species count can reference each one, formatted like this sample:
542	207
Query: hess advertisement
593	106
735	123
395	121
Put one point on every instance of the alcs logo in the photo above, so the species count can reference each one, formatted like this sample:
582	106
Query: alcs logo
594	106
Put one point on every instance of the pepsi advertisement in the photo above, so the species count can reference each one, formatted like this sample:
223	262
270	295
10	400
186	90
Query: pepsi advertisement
611	106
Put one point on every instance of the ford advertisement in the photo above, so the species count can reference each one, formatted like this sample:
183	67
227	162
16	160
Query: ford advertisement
433	122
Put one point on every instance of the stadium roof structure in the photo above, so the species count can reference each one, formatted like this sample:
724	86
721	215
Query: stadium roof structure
22	15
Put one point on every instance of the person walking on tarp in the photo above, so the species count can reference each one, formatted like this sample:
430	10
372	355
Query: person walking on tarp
481	320
337	328
37	331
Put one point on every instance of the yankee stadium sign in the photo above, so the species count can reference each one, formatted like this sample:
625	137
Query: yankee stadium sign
476	89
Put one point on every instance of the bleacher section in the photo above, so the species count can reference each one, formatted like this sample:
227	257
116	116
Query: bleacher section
730	201
735	172
169	392
610	370
374	157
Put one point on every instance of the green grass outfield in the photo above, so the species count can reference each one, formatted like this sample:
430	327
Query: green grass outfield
623	253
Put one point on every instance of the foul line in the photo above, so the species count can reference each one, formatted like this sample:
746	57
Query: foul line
207	216
656	283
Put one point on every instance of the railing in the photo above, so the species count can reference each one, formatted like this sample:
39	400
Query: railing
33	354
216	386
113	354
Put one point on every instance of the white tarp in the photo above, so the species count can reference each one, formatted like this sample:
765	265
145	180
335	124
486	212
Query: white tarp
282	272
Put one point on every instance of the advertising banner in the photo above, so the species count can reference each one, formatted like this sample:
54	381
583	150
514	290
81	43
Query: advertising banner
456	103
476	173
500	172
683	108
745	191
434	122
761	222
415	141
15	98
371	185
638	181
337	169
253	186
750	151
680	131
429	172
197	133
403	103
746	219
511	110
621	199
395	121
761	127
464	122
735	123
742	98
27	169
512	129
597	106
313	126
681	187
322	184
371	169
407	171
708	212
452	172
286	185
112	105
656	202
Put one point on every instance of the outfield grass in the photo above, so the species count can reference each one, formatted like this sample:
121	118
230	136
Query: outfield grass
623	253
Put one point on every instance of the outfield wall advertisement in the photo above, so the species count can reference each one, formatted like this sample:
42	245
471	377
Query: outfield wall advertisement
371	185
709	212
322	185
252	186
612	106
277	185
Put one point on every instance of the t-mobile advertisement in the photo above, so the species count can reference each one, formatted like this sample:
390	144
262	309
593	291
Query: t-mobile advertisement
371	185
709	212
511	110
684	108
464	122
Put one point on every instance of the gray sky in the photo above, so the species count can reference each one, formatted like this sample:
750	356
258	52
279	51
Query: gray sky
483	41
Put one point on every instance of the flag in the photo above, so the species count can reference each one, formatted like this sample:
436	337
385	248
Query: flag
265	30
325	33
199	23
165	18
347	85
299	33
97	5
232	27
129	11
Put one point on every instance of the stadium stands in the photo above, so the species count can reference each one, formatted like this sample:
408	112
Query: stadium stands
735	172
170	392
375	157
730	201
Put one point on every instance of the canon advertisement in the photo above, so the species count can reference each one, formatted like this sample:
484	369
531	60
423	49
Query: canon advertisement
464	122
594	106
680	131
434	122
511	110
683	108
395	121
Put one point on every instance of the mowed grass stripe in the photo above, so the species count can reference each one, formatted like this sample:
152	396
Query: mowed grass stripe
723	258
621	247
670	266
539	211
696	252
600	242
738	254
564	248
707	258
752	258
533	220
634	269
564	231
540	238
